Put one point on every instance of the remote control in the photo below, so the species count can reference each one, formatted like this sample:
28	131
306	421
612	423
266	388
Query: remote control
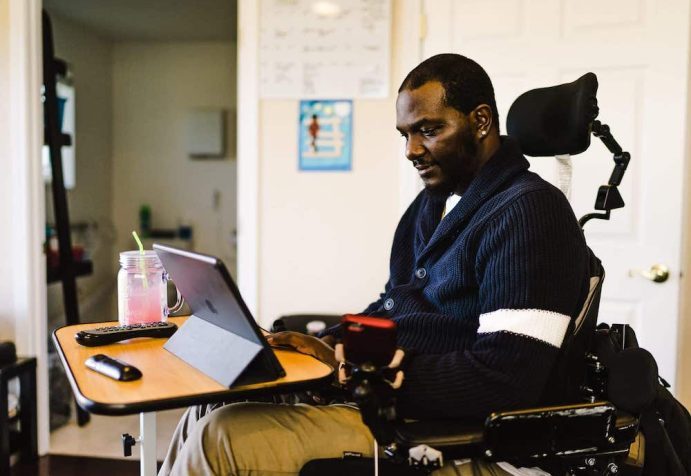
109	335
113	368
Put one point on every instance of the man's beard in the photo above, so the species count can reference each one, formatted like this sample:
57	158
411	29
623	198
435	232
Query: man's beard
467	169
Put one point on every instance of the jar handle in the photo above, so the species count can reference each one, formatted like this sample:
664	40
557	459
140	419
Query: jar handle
179	302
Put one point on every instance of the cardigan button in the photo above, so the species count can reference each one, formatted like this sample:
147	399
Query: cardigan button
388	304
420	273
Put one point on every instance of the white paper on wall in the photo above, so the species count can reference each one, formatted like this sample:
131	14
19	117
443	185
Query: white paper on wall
324	49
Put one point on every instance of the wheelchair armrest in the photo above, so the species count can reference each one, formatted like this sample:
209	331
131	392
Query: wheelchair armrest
550	431
527	434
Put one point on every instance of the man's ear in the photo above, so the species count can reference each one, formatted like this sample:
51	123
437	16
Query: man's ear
481	120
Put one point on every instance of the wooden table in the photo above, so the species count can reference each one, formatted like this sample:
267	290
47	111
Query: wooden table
167	381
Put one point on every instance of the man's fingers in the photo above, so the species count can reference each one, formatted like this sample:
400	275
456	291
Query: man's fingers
283	338
329	340
397	359
342	374
338	353
398	380
279	336
305	344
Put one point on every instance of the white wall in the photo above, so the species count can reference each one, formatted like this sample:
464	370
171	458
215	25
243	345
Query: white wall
684	339
90	60
325	237
22	286
154	84
6	320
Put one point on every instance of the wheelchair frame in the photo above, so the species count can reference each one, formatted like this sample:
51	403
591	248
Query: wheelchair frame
590	438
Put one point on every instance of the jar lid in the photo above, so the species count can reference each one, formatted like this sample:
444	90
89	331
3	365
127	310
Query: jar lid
148	259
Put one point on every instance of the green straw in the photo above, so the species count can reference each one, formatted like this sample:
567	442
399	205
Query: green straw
141	262
139	242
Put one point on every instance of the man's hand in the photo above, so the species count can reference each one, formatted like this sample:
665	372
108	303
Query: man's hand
394	367
305	344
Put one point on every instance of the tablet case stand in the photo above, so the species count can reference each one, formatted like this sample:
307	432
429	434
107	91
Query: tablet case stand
220	354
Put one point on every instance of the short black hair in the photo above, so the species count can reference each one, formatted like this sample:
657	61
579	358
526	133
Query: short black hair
466	84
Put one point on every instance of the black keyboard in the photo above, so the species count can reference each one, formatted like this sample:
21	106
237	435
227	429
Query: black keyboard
110	335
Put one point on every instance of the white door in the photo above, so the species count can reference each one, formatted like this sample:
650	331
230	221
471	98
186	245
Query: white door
639	51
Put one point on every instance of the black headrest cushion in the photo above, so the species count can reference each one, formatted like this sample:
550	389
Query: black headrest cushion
555	120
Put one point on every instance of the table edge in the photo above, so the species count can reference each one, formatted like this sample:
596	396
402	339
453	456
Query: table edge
118	409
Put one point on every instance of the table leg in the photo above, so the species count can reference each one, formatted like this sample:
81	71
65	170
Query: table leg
147	444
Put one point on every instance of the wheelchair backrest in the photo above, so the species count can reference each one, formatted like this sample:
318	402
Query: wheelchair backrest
569	373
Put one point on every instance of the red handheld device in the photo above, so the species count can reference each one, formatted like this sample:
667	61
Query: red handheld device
368	339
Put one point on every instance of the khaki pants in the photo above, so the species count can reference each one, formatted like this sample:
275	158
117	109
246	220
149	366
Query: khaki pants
266	439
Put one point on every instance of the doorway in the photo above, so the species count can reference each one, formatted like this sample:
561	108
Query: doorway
145	78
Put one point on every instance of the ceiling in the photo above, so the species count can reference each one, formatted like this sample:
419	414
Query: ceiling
152	20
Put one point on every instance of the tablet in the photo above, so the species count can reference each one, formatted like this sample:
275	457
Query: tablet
221	338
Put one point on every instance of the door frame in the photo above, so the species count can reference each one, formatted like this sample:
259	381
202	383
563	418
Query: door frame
24	238
248	153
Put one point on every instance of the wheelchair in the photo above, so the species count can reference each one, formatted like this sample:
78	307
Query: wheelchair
587	426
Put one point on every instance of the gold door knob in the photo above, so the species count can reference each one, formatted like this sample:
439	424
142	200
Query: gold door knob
658	273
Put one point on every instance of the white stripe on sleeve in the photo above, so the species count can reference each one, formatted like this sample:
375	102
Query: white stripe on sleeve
546	326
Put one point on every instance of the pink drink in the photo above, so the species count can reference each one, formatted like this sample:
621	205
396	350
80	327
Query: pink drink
141	289
143	306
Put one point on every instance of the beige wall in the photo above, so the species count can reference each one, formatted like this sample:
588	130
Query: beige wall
154	84
6	320
90	60
684	372
325	237
684	342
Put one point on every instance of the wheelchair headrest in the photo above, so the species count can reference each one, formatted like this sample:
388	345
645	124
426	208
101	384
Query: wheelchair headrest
555	120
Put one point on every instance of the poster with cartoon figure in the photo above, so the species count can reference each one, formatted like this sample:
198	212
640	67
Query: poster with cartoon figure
325	135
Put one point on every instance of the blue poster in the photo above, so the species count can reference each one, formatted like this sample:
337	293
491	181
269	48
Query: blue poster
325	135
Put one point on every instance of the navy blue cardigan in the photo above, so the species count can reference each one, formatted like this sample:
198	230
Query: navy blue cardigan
484	296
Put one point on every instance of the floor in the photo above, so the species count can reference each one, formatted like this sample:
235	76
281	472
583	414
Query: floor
96	448
101	437
56	465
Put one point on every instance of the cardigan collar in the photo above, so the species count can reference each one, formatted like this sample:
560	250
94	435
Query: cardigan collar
506	163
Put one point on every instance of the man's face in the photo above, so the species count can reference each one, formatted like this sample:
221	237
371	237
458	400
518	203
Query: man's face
439	139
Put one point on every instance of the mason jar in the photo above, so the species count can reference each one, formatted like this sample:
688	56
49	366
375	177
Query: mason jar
142	289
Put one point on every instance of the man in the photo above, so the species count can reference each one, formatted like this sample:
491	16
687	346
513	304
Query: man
488	268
